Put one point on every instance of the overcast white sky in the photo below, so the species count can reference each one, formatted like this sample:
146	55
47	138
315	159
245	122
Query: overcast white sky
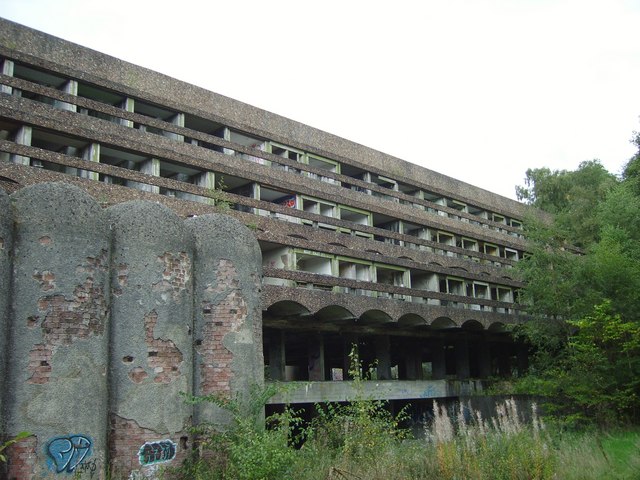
479	90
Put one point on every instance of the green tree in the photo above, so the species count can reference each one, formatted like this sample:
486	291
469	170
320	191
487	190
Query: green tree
585	303
571	196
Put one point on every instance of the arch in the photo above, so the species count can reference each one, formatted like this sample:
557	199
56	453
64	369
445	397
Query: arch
497	327
334	313
374	317
288	308
472	325
411	320
405	257
442	323
435	264
506	277
375	252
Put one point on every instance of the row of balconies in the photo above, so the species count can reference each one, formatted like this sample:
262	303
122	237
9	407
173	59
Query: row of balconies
232	142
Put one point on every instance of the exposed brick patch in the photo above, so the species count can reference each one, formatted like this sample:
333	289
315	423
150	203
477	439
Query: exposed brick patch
176	273
22	459
138	375
46	278
123	278
220	318
126	438
163	355
67	320
45	240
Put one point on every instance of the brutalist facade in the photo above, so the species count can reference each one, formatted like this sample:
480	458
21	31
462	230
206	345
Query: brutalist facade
361	251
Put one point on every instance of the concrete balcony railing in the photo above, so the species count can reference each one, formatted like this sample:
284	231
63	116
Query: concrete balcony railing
343	391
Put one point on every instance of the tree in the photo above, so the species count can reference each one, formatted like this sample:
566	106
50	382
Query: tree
571	196
585	305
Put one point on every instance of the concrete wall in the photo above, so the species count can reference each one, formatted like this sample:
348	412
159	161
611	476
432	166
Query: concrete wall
98	306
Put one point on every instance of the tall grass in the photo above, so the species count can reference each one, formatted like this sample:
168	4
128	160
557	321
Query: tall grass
362	441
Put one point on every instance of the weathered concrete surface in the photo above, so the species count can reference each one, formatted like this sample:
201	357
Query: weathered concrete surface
227	312
312	392
57	371
151	338
6	247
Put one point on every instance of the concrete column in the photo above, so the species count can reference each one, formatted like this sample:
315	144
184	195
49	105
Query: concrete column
462	358
70	87
315	355
438	359
484	359
228	358
72	152
413	361
57	369
7	69
6	255
127	104
206	180
91	153
151	341
149	167
277	355
383	356
177	119
22	137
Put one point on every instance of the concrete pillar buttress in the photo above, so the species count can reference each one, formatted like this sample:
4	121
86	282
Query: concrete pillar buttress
228	359
277	355
463	371
438	359
383	357
57	372
151	346
484	359
315	358
6	250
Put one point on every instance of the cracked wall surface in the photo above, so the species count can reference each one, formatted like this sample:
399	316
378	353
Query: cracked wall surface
102	334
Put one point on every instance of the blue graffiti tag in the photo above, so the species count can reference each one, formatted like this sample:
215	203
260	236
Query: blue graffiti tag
157	452
66	452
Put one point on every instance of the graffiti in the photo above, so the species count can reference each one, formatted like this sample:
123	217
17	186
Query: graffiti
157	452
67	453
88	466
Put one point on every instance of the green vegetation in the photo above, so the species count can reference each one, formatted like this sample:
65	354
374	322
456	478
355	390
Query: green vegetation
586	302
363	441
8	443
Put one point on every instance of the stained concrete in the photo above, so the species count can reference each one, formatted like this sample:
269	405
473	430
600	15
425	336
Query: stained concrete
56	380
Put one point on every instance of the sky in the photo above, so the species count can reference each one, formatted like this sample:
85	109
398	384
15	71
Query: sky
480	90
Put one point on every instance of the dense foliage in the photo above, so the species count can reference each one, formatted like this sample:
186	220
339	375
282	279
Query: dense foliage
585	301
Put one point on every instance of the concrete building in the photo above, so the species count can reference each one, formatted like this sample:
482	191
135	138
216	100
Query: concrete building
358	248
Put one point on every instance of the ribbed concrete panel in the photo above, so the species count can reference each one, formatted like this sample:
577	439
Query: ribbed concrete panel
57	370
151	352
227	312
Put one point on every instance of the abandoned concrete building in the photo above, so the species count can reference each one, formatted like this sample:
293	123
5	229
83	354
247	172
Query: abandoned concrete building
358	247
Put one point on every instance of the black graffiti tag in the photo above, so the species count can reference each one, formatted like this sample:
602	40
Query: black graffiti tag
157	452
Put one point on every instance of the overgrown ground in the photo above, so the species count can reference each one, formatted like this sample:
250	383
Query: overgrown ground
362	441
